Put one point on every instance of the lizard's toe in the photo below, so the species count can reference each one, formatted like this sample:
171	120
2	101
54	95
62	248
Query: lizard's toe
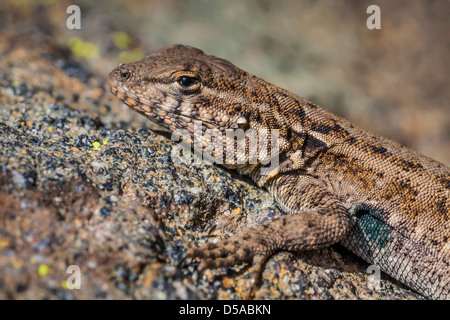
210	251
258	264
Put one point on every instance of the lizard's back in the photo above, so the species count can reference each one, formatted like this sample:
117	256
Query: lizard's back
398	199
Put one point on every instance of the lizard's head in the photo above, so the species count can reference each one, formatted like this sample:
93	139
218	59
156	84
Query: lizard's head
179	84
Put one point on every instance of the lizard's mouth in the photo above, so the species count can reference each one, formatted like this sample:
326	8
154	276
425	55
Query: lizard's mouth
124	93
148	107
156	111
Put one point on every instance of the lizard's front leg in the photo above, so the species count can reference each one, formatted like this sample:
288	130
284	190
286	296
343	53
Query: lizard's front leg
316	218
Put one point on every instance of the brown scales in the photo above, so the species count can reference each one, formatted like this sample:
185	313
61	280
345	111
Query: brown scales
338	183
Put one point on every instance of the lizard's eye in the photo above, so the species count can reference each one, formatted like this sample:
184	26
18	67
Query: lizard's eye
187	82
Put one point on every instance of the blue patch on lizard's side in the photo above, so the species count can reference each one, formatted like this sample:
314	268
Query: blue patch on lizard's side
371	223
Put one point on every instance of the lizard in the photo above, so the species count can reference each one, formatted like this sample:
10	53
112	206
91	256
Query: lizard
336	182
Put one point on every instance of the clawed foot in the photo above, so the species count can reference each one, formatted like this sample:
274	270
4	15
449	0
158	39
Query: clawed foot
228	253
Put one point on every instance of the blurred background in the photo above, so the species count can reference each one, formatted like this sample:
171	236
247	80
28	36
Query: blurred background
392	81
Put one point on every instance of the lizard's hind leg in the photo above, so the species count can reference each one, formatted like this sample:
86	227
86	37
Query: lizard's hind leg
316	219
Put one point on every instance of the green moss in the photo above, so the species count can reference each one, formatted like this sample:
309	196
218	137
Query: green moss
121	39
82	48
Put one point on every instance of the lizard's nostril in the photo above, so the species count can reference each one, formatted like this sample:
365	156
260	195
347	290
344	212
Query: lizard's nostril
125	74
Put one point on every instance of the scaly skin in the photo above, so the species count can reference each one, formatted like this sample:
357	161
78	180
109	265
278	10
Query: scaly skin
336	182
